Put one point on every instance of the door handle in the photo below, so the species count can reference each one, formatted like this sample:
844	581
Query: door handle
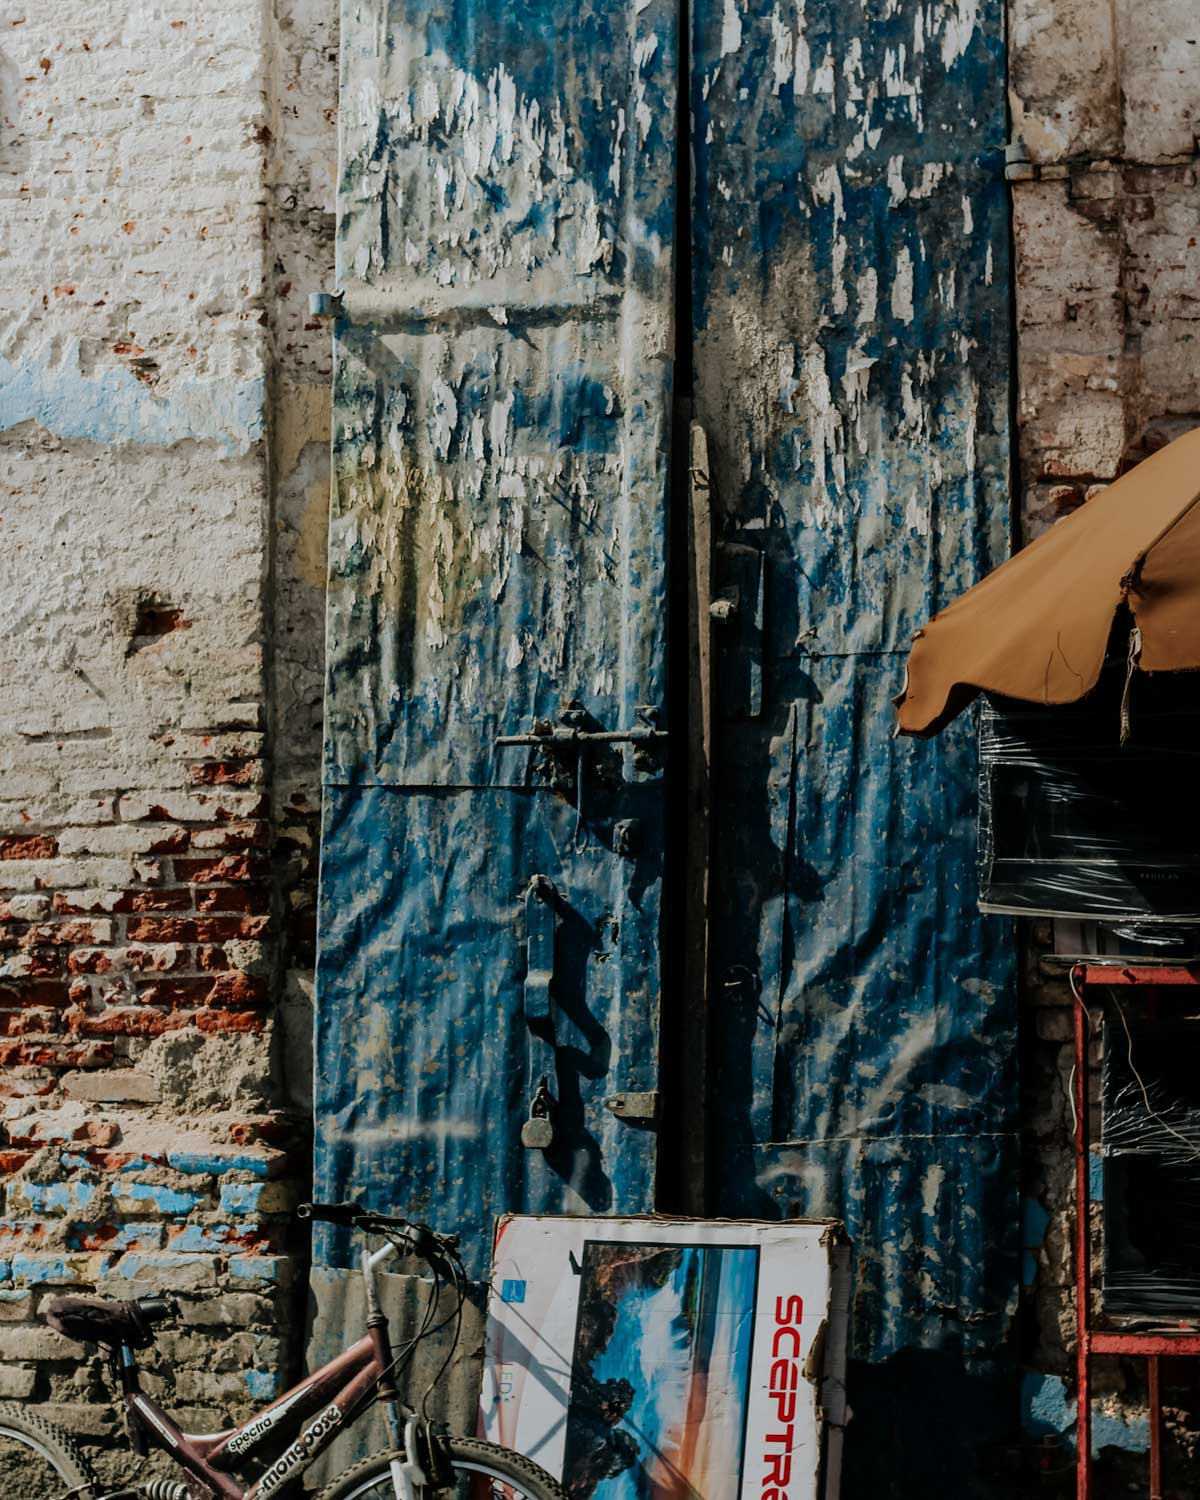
537	1133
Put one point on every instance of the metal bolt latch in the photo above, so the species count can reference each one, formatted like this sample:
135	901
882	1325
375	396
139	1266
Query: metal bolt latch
633	1105
537	1133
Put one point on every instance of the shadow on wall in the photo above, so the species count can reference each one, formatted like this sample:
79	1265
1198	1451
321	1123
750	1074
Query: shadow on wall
14	144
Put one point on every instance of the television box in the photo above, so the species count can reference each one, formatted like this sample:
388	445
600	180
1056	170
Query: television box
637	1358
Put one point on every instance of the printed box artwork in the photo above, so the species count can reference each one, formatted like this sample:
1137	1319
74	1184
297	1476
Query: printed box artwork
647	1358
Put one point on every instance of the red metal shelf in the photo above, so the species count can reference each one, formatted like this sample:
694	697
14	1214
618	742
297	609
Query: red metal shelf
1151	1346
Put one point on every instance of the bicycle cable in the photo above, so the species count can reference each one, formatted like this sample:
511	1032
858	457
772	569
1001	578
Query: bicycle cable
457	1317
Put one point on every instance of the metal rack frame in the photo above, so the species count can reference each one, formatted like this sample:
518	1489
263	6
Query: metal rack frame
1150	1346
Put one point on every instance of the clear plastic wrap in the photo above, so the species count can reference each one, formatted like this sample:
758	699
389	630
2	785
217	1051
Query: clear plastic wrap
1150	1147
1073	823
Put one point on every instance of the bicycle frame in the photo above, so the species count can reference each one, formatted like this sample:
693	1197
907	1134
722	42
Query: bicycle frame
332	1397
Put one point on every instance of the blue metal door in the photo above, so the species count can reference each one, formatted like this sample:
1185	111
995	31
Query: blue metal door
490	911
851	307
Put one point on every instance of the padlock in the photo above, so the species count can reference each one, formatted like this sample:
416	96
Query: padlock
537	1133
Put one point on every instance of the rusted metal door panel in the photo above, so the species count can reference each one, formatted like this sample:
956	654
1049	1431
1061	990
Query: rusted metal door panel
851	355
501	447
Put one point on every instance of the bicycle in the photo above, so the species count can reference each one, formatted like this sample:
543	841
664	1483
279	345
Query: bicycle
284	1439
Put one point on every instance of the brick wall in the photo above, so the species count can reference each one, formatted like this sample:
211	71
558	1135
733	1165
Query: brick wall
1107	99
166	177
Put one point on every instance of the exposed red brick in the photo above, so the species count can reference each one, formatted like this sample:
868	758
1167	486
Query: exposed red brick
226	773
168	959
100	1236
153	616
194	929
28	1022
211	959
47	992
230	1020
44	963
27	1088
170	843
67	934
71	902
232	836
128	1020
28	846
89	961
236	988
174	991
137	901
263	1130
13	1161
248	898
58	1055
102	1133
117	1161
246	864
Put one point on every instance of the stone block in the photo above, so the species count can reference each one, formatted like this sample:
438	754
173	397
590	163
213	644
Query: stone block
114	1086
17	1382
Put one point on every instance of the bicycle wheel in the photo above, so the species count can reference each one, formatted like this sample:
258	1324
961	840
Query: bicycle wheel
39	1461
483	1471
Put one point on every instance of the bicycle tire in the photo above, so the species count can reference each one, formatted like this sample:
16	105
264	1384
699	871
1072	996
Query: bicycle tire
467	1456
57	1449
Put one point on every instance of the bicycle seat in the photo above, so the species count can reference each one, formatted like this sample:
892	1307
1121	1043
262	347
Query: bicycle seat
101	1320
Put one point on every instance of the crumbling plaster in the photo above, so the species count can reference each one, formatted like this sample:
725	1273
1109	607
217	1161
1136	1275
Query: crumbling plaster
166	174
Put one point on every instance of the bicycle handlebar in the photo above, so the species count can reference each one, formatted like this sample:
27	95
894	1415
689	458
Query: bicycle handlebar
420	1238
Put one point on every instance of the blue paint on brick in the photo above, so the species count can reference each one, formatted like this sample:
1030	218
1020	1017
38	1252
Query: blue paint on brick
256	1267
204	1237
139	1262
214	1165
114	407
263	1385
58	1197
1046	1408
118	1237
35	1269
240	1197
166	1200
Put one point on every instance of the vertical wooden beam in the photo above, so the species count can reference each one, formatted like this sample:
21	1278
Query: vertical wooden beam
699	826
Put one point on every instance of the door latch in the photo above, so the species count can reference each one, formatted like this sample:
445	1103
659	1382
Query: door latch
633	1105
537	1133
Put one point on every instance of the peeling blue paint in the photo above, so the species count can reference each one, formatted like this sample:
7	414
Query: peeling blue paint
263	1385
166	1200
269	1268
1047	1409
57	1197
240	1197
497	547
210	1164
115	408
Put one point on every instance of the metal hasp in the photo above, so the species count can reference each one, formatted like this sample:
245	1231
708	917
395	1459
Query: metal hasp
851	311
643	1106
537	1133
1090	1338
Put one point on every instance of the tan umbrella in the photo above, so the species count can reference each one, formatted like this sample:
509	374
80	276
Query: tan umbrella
1038	628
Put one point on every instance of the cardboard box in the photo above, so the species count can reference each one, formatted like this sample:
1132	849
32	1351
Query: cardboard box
641	1358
